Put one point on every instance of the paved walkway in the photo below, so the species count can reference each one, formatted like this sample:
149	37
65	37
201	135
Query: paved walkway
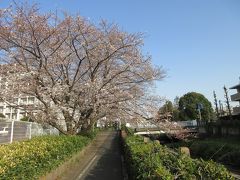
102	161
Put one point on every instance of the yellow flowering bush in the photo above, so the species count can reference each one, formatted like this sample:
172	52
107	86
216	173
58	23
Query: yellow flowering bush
34	158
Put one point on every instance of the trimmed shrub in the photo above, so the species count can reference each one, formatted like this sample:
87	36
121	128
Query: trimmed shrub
34	158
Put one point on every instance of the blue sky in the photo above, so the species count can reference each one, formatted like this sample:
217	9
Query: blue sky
197	42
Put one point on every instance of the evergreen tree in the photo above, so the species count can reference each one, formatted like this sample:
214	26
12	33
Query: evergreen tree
188	107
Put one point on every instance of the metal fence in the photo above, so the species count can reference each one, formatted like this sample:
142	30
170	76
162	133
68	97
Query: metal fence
190	123
19	130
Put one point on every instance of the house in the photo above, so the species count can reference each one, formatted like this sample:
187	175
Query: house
236	98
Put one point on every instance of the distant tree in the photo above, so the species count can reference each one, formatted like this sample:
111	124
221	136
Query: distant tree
169	111
176	102
175	114
227	101
216	103
165	112
221	110
167	107
188	107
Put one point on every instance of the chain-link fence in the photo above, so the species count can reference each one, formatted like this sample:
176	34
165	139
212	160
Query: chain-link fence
19	130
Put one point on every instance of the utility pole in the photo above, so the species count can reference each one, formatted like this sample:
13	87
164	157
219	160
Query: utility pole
200	116
199	107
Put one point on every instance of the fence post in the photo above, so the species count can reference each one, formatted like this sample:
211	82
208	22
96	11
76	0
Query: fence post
11	138
30	130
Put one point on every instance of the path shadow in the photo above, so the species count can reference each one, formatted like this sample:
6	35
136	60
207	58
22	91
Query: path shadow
108	166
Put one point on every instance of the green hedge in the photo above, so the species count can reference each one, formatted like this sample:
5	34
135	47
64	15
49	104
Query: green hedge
225	153
154	161
90	134
129	131
34	158
223	150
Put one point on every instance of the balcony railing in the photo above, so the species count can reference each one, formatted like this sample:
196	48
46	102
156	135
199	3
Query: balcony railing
236	110
235	97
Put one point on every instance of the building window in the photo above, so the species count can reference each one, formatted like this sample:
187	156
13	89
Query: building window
23	100
14	116
31	100
8	115
8	109
15	100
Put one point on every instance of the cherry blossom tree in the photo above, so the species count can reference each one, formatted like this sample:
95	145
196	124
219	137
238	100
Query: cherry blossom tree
80	72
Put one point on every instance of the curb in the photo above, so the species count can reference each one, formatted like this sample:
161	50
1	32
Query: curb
124	170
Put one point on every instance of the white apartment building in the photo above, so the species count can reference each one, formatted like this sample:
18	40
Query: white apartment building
16	111
17	108
236	98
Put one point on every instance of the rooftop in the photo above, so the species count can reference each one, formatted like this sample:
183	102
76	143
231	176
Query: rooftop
235	87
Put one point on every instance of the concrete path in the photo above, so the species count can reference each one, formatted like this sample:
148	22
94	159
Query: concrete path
102	161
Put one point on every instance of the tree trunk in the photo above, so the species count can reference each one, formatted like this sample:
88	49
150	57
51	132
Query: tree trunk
87	127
